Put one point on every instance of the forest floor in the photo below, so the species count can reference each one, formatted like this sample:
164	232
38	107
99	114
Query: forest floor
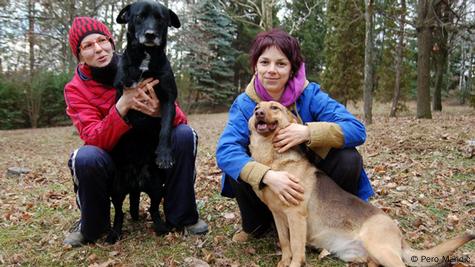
423	173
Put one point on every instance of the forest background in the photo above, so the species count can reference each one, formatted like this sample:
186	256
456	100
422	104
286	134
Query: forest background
410	63
388	50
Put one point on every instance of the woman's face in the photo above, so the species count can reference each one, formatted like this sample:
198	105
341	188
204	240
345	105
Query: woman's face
96	50
273	69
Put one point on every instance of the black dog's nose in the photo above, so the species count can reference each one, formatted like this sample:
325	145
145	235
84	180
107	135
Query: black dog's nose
150	35
260	114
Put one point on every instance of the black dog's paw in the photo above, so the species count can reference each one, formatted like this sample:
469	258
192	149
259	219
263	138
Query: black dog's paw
112	237
164	160
134	214
161	228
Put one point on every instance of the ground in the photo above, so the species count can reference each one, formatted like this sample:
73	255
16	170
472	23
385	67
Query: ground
423	173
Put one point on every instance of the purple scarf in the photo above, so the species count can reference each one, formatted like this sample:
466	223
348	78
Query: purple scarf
292	91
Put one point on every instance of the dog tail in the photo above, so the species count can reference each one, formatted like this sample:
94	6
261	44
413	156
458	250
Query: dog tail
438	255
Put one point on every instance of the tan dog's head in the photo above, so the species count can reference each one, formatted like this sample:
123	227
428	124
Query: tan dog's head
268	117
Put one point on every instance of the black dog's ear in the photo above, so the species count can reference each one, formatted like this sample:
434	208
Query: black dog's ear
123	16
174	21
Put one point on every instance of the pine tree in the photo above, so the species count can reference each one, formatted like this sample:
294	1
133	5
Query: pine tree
210	57
344	50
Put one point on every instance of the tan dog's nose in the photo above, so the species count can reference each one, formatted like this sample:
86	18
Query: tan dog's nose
260	114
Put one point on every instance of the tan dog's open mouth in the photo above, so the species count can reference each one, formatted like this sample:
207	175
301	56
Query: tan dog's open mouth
264	127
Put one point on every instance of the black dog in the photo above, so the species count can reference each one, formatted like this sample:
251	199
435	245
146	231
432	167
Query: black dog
144	57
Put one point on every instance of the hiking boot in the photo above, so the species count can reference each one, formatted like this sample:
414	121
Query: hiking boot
199	228
75	238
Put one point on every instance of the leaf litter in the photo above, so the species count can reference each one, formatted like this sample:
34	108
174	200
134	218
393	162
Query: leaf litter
423	173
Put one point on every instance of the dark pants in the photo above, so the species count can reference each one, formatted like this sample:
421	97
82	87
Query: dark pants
343	166
94	170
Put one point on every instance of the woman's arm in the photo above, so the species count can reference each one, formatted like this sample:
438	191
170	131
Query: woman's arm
334	124
232	149
94	128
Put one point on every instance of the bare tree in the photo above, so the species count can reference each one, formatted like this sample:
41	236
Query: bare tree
298	22
31	35
368	64
33	94
425	16
258	12
444	20
398	59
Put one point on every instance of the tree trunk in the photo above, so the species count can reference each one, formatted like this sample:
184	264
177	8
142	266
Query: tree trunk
462	81
72	15
444	14
398	60
266	6
31	36
368	66
33	95
440	72
424	46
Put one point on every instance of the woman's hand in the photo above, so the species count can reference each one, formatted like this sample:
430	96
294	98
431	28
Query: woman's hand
285	185
141	98
146	101
290	136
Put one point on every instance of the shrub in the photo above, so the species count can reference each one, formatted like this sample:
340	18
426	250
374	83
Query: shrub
37	102
12	104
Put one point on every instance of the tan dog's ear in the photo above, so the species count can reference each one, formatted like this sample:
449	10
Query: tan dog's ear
291	116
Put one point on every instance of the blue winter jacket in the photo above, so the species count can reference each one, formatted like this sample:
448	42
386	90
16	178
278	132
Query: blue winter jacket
313	105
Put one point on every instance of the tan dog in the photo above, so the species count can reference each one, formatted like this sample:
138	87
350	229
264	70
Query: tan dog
329	217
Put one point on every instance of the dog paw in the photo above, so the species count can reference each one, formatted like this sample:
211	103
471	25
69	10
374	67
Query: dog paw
161	229
164	161
283	263
297	264
134	215
112	237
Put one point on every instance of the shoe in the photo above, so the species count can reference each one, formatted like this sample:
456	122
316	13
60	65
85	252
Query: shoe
75	238
240	236
199	228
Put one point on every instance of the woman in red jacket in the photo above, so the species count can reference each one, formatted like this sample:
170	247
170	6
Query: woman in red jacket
100	121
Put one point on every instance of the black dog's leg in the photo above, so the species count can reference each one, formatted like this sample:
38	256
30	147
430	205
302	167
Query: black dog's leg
164	158
159	226
134	198
116	231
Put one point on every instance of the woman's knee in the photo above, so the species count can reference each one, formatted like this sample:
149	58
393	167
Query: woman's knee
91	157
185	139
350	159
343	165
91	162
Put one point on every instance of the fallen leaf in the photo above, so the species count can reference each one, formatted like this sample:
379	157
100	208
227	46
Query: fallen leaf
229	216
452	219
194	262
92	258
209	257
323	254
418	222
114	253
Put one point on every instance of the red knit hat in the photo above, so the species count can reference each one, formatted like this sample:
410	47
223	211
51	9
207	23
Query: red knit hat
82	27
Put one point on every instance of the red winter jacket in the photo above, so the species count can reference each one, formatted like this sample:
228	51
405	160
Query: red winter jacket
91	107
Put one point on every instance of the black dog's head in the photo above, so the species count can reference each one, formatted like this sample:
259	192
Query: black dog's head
148	22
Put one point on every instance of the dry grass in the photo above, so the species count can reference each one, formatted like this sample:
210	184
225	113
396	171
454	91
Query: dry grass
423	172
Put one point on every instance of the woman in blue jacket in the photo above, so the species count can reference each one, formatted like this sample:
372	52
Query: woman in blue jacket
326	127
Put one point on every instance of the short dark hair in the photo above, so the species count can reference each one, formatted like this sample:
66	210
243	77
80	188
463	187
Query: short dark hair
280	39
